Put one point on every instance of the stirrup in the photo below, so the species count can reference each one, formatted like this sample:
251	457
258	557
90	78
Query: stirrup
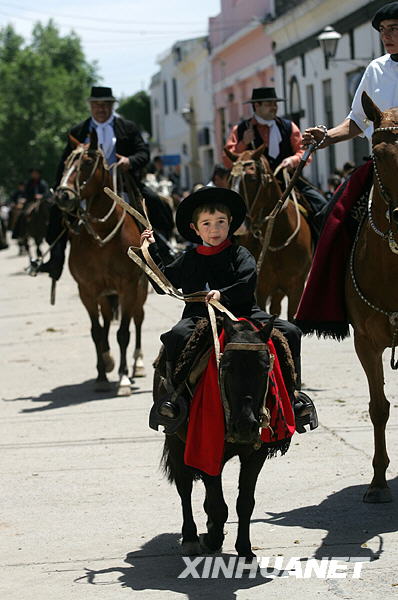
308	414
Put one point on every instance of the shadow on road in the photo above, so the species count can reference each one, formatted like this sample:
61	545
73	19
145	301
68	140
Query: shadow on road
153	567
71	395
349	522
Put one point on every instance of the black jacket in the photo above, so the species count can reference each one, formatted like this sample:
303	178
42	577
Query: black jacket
129	143
232	272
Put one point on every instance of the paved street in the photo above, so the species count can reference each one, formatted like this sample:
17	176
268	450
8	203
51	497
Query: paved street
85	511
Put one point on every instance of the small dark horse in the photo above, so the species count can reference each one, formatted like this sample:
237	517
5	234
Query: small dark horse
244	373
98	258
371	284
30	221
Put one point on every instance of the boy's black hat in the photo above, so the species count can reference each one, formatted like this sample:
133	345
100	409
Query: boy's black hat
388	11
209	195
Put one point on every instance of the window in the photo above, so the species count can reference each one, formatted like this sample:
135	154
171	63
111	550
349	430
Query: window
175	98
328	109
165	98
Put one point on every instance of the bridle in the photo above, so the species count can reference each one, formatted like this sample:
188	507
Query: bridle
257	222
264	415
82	205
392	244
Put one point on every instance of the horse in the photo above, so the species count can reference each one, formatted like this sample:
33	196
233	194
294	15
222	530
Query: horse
98	261
370	291
243	376
288	259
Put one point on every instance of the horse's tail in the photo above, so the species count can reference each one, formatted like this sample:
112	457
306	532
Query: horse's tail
172	461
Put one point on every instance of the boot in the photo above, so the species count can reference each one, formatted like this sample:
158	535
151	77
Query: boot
304	412
167	407
55	264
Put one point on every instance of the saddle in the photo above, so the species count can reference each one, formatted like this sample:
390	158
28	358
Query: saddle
191	366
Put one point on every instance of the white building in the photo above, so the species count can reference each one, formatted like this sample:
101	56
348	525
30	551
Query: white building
318	91
181	110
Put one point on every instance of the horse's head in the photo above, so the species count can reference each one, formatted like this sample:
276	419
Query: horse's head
385	153
83	176
244	370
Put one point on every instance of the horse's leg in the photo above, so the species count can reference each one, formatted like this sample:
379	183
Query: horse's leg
138	366
217	514
184	483
249	471
275	307
97	333
379	410
123	338
107	314
294	294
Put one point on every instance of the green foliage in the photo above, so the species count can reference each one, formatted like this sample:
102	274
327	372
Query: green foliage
137	108
44	86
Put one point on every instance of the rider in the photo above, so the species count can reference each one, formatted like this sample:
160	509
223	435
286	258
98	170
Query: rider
208	218
35	189
122	143
318	310
283	140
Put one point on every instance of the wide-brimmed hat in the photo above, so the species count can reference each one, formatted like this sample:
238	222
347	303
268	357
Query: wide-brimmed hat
101	94
388	11
263	95
210	196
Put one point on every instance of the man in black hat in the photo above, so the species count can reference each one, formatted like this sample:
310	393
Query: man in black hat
282	139
379	81
122	144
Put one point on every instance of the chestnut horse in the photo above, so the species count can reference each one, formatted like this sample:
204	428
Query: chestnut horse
371	289
288	258
98	258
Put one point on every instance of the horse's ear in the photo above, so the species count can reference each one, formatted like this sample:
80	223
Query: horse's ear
266	329
93	140
372	111
258	152
73	140
231	155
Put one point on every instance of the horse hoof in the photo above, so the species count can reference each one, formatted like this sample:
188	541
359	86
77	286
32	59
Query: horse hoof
191	549
377	495
124	387
205	548
102	386
138	371
108	361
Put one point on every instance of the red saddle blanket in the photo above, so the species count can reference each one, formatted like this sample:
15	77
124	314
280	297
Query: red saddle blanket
322	308
204	446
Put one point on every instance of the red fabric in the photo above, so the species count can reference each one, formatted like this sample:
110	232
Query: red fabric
323	300
204	446
208	250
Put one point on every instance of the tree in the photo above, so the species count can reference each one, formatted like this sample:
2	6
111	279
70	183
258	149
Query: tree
44	86
137	108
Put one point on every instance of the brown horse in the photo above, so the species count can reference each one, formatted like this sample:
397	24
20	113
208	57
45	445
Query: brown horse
288	258
98	258
371	290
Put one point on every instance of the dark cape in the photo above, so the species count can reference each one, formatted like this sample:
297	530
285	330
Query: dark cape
322	308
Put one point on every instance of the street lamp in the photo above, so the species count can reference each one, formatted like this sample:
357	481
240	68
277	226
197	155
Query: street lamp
328	41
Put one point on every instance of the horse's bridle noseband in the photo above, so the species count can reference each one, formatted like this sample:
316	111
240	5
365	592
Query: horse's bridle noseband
265	415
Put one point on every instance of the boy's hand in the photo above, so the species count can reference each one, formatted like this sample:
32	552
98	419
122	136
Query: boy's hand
147	234
213	294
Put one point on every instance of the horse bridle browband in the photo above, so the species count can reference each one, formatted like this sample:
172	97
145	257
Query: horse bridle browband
388	236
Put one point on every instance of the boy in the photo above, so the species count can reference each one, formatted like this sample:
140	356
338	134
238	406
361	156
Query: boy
208	218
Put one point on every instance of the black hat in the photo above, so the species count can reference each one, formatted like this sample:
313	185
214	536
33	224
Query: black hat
262	95
388	11
101	93
209	195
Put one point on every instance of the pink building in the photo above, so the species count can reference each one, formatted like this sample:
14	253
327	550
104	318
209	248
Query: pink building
241	59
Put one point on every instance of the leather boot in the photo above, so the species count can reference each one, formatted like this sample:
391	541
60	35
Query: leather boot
168	408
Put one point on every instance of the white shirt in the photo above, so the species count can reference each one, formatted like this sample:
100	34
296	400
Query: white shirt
380	82
106	137
275	137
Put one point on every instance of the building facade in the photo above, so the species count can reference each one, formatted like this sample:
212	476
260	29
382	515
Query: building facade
319	91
